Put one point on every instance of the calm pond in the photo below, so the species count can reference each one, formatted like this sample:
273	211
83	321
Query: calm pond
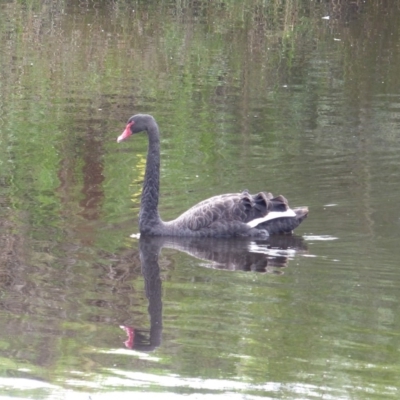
300	98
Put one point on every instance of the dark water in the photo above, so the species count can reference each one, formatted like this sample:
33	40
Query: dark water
248	95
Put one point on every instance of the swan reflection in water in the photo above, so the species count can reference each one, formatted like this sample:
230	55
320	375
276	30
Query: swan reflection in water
267	256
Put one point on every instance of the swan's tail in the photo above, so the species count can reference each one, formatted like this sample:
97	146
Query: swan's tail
286	224
301	213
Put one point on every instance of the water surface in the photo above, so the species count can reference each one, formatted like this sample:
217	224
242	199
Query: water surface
248	95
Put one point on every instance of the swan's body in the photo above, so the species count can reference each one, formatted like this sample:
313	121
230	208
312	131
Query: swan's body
234	214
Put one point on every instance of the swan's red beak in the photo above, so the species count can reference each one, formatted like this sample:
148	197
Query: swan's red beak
126	133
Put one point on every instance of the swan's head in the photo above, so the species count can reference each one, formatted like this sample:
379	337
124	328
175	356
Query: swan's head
137	123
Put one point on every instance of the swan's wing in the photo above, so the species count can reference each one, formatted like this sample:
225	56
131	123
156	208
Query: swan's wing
239	207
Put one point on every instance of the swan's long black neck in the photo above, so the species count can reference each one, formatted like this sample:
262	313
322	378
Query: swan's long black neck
149	218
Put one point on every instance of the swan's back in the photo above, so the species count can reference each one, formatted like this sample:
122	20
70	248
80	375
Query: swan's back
229	214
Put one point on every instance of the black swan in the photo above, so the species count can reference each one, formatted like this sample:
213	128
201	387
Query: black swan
233	214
